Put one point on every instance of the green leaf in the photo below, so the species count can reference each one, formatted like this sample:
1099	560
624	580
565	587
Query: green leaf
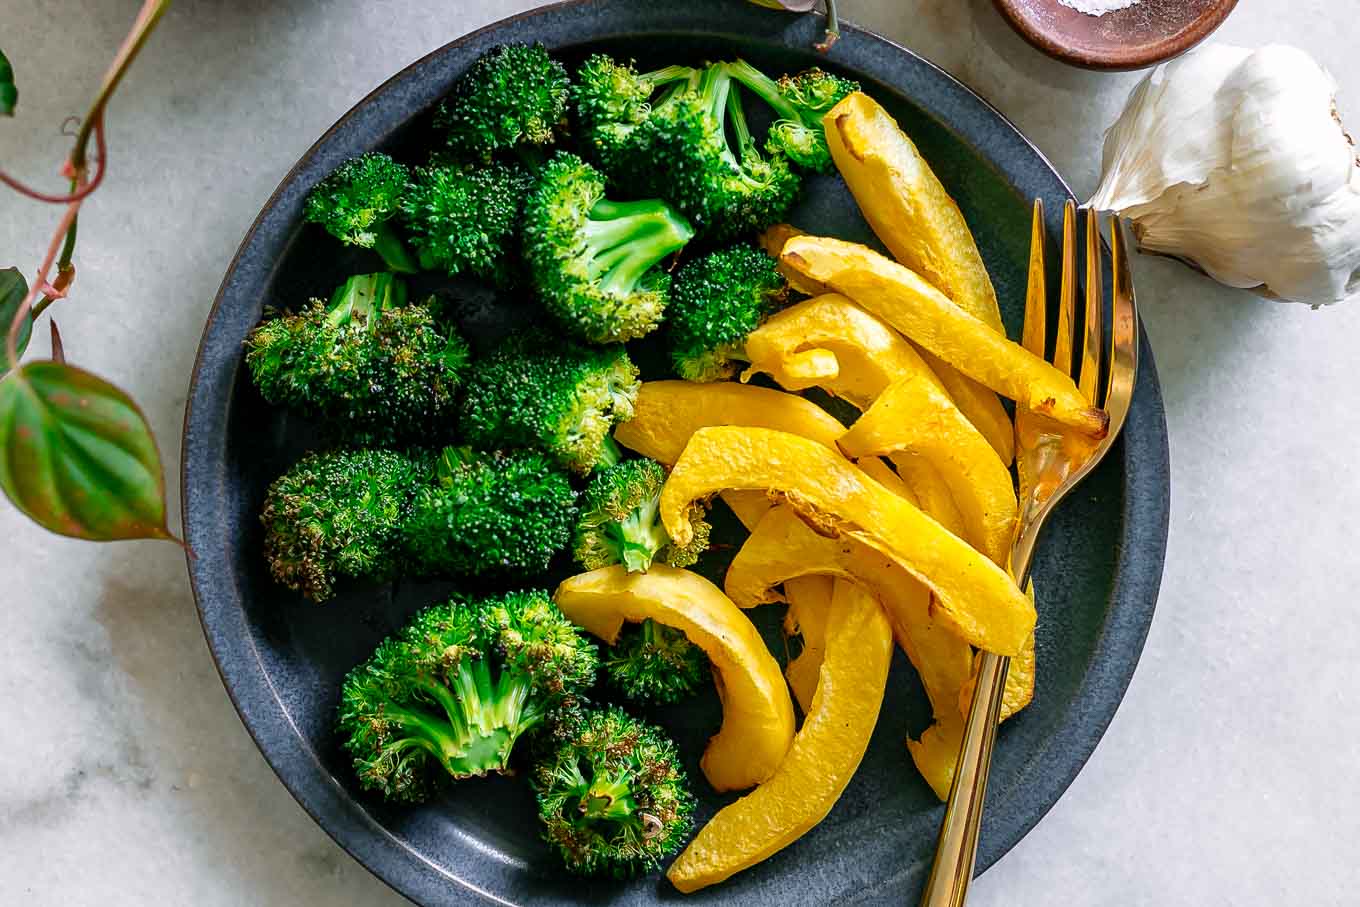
9	92
13	289
77	456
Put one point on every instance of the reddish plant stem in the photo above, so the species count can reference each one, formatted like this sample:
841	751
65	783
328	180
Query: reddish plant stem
79	194
53	249
63	241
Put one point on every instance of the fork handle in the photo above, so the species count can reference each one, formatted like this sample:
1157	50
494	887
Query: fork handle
956	853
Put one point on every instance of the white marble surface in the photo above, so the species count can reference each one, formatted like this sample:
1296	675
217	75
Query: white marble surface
1227	776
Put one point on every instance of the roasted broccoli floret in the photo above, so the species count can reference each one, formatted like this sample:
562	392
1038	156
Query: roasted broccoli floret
653	663
356	203
680	150
336	515
799	102
374	368
613	98
716	302
449	696
620	524
594	261
620	521
539	392
490	513
514	97
614	800
465	219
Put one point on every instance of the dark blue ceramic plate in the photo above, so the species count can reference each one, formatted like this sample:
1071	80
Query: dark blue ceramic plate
282	659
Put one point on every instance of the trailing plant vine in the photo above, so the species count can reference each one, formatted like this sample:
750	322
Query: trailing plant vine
77	455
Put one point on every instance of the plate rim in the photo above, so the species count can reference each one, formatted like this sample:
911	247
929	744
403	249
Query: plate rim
422	881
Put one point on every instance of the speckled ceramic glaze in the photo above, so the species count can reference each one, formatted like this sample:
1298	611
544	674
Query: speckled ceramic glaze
282	659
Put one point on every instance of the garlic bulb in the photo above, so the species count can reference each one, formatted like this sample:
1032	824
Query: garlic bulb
1236	161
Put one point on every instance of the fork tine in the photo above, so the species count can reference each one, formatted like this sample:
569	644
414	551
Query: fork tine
1123	331
1089	382
1036	295
1062	346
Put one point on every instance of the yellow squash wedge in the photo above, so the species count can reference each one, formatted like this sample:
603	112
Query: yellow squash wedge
936	753
946	666
830	342
821	761
979	405
1019	680
880	473
748	506
809	599
935	497
905	300
909	210
758	720
906	205
772	241
840	500
667	413
915	416
783	548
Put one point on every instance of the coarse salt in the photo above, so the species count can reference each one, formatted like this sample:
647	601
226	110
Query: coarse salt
1097	7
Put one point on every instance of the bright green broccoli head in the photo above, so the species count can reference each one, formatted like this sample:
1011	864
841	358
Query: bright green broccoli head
337	515
613	98
652	663
717	301
372	368
614	800
536	391
594	261
466	219
357	196
490	513
726	186
514	96
799	103
813	92
356	201
620	521
690	145
451	694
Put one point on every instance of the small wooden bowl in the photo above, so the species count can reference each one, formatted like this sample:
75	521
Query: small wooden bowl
1131	38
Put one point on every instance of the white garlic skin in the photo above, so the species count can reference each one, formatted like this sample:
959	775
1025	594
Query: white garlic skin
1236	161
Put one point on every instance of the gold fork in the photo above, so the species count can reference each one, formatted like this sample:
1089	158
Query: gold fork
1050	461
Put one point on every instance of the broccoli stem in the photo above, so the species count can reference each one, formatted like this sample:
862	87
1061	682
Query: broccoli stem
610	455
626	239
725	106
365	296
651	636
714	86
736	116
424	731
608	798
393	251
639	536
481	719
668	74
764	87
